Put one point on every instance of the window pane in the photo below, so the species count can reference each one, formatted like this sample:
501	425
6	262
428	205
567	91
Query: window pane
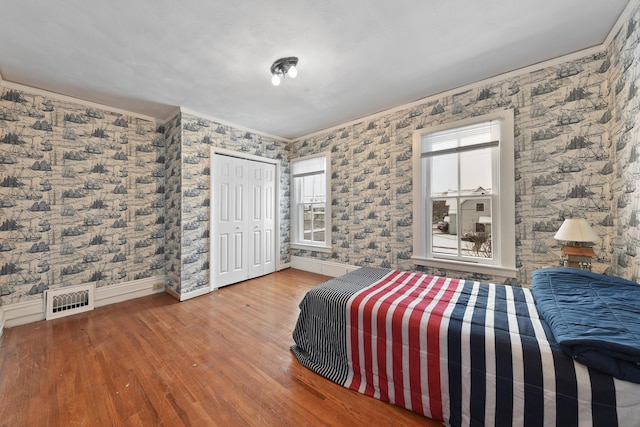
311	194
478	133
297	189
444	144
475	171
307	188
315	164
313	188
443	230
305	227
318	223
444	174
319	187
476	227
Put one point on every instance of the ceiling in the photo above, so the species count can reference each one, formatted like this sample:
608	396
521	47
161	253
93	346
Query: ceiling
356	57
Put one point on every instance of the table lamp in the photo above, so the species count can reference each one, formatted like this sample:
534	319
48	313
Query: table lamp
576	232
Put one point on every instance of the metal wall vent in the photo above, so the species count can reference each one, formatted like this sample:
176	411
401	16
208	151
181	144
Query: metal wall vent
69	300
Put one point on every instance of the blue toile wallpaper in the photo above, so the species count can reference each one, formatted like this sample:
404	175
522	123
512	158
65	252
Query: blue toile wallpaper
81	196
624	74
89	195
173	197
189	142
576	145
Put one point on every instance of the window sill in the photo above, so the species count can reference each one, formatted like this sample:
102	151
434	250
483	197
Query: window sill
465	266
324	249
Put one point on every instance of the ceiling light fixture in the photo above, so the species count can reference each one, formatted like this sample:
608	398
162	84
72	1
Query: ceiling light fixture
284	67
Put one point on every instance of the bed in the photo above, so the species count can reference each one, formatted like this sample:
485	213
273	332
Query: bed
470	353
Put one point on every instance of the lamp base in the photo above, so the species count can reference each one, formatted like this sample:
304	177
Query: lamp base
577	257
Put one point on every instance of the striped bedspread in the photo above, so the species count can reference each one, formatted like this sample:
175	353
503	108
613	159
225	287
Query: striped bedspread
463	352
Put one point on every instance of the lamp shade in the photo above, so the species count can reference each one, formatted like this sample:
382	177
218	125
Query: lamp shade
576	230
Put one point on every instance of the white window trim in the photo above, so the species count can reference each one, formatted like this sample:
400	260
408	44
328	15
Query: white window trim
504	246
326	247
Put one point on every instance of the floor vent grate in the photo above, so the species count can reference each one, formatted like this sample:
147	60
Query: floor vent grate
69	300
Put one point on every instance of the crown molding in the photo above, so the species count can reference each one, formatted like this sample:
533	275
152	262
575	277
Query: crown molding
450	92
171	115
622	19
233	125
67	98
626	14
1	321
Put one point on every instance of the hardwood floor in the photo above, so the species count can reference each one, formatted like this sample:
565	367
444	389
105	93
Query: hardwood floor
219	359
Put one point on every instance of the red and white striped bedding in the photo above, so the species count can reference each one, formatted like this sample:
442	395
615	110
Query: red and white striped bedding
459	351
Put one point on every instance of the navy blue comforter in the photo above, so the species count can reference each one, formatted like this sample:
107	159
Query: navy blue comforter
595	318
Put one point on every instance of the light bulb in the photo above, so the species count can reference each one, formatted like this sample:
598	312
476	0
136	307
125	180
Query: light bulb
293	72
275	80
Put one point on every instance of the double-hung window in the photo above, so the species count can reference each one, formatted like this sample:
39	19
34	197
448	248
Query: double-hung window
464	195
311	216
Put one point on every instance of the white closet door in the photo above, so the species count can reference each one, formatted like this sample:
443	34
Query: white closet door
261	221
243	211
229	208
269	223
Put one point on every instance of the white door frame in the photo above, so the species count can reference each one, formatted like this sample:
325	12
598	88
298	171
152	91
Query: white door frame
241	155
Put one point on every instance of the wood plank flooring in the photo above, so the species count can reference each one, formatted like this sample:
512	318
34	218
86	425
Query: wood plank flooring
222	359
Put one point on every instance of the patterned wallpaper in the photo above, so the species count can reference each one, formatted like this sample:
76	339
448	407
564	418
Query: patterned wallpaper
81	196
173	196
624	54
83	199
574	125
189	141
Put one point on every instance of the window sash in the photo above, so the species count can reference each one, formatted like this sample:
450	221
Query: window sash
311	194
503	244
310	166
470	137
463	225
489	144
456	141
309	224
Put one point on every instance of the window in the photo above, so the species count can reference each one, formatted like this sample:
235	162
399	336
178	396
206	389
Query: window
311	216
464	215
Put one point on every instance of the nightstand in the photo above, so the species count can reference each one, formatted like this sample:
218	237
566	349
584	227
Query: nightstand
577	257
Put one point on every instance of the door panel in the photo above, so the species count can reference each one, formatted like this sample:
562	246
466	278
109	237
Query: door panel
229	221
268	249
223	264
257	203
256	258
238	198
256	226
238	264
243	223
269	222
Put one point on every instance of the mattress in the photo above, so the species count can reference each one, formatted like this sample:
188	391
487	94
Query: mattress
458	351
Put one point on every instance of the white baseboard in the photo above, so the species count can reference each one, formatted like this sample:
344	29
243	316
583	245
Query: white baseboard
1	320
193	294
22	313
327	268
172	293
284	266
106	295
